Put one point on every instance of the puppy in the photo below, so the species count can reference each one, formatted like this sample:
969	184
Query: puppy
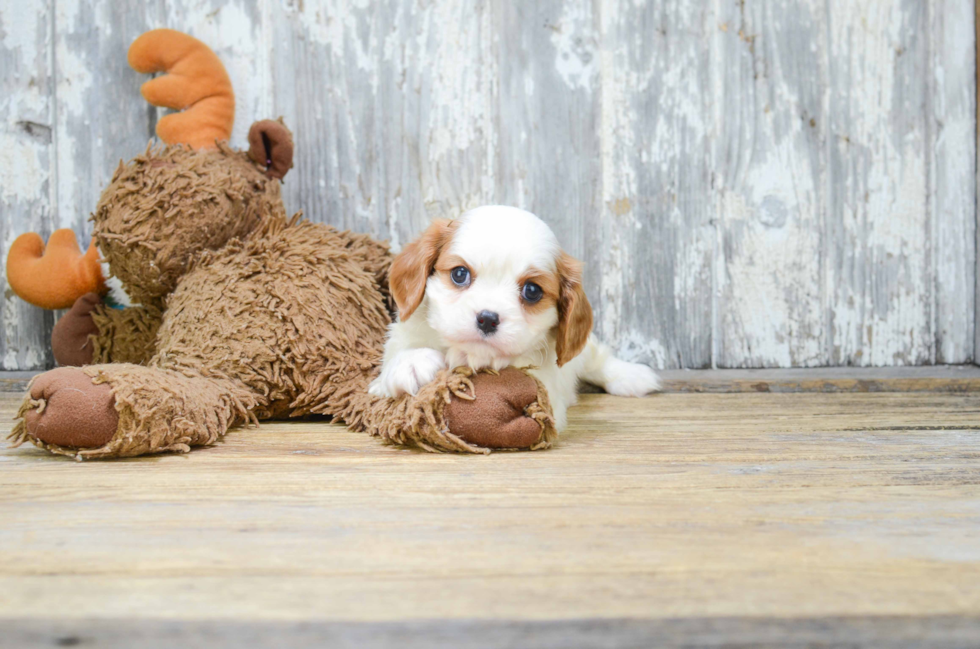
491	289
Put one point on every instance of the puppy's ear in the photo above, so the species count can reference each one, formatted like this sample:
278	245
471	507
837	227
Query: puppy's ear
574	310
413	265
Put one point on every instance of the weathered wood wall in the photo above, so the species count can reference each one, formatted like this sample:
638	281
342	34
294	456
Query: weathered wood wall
752	183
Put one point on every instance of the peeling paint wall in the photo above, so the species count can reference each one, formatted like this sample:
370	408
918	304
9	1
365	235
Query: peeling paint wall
751	183
27	166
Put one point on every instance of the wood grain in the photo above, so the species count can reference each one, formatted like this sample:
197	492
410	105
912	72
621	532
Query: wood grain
952	126
930	378
765	184
976	124
28	163
548	144
391	104
683	506
770	164
879	211
656	238
958	378
945	632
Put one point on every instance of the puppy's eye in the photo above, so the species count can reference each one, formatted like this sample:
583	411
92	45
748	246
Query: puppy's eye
460	276
531	292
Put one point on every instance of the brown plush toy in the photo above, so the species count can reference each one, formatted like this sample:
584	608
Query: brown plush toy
242	313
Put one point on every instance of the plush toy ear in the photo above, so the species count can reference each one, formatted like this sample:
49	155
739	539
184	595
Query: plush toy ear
574	310
53	277
270	144
196	83
413	265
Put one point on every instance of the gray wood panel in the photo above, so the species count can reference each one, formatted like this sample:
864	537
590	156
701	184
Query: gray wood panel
769	162
882	273
392	107
976	95
952	169
657	230
751	184
27	166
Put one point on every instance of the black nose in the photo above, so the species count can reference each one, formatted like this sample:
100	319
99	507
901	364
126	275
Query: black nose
487	321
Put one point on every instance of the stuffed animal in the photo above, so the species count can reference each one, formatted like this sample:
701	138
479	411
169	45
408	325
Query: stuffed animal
236	313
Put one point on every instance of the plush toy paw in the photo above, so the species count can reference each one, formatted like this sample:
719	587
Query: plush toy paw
70	338
499	416
69	410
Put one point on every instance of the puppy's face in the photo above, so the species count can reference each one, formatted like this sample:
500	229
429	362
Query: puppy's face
498	287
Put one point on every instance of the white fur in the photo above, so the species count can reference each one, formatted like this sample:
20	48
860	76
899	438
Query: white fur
500	244
408	371
113	283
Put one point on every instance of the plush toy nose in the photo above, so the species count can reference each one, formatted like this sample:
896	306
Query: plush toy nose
487	321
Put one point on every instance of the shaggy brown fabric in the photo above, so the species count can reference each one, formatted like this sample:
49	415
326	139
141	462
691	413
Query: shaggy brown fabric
287	311
65	408
166	206
248	315
125	335
70	338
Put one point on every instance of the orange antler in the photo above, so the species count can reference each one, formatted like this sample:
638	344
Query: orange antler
53	278
196	84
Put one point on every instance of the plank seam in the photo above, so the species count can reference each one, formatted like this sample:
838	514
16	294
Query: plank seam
976	199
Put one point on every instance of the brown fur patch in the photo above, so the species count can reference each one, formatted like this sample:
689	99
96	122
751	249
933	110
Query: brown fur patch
550	286
125	335
413	265
165	207
574	310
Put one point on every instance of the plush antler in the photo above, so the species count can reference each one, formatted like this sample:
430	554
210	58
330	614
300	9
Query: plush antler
196	83
53	277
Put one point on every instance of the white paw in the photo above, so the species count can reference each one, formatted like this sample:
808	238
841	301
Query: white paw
407	372
630	379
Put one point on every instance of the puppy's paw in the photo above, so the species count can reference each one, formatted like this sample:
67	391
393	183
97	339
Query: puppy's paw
630	379
407	372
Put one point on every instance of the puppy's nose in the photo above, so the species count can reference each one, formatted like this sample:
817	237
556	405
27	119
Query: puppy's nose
487	321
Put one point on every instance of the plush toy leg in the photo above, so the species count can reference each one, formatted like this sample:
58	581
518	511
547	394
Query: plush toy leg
124	410
459	411
92	332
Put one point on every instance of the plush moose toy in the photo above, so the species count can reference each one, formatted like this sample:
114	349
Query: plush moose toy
237	313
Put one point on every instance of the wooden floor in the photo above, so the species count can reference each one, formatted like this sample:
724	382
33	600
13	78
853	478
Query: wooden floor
697	518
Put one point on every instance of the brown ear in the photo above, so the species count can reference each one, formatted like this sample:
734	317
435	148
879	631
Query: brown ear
413	265
574	310
270	144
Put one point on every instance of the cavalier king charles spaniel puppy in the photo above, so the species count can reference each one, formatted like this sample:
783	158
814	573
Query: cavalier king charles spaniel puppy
490	289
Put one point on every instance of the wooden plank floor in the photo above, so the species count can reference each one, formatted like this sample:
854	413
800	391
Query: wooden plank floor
685	514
